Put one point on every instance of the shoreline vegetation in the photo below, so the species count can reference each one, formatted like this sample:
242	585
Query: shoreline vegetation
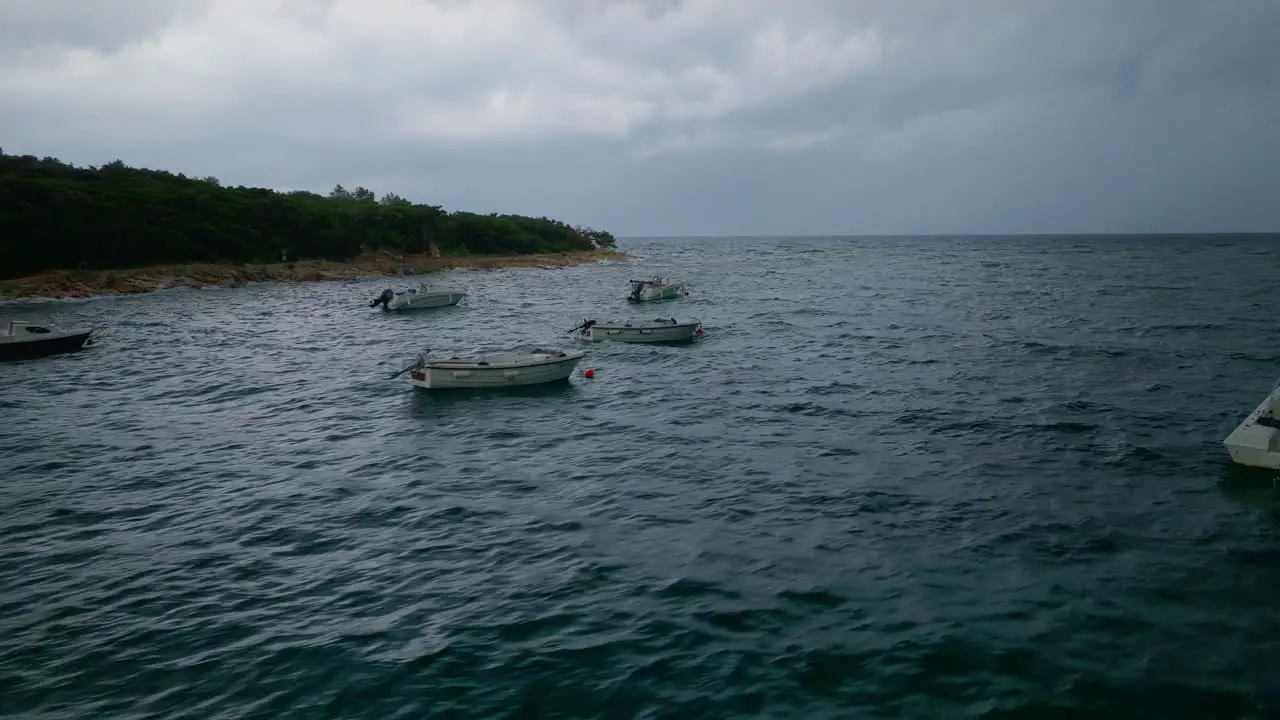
77	284
76	232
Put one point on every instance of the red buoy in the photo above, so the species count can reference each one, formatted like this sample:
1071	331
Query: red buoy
699	331
589	373
686	293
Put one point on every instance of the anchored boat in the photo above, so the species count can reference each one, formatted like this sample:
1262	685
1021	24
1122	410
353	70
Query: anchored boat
24	340
656	288
418	298
510	368
1256	440
659	330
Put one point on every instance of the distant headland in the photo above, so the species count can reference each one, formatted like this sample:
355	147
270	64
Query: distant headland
67	231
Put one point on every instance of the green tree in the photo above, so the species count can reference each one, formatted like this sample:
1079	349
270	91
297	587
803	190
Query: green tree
53	215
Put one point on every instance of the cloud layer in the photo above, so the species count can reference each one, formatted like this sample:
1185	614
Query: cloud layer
682	116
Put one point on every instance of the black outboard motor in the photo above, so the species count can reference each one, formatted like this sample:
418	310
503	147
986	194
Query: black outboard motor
636	287
583	327
383	299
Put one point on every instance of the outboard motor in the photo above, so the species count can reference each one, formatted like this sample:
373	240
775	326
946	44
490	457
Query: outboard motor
636	287
383	299
583	327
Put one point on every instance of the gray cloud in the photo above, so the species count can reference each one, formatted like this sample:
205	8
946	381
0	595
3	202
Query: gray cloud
683	116
75	23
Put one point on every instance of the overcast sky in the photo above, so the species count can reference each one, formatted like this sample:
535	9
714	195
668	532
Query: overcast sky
671	117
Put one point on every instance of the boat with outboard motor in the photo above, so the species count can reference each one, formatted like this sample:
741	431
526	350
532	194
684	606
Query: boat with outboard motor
24	340
656	288
659	330
505	368
418	298
1256	440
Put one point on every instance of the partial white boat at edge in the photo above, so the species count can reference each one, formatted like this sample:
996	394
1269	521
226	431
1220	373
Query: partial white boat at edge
660	330
655	288
418	298
509	368
1256	440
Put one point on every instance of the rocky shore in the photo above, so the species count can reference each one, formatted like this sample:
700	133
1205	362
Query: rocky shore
87	283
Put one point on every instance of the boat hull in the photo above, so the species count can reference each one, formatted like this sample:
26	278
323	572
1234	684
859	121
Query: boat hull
657	294
679	332
446	375
424	301
655	289
1253	443
30	349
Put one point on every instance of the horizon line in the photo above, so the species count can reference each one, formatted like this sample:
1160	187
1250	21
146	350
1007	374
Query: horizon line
712	236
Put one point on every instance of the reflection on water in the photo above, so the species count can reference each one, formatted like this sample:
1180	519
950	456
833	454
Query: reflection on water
1253	487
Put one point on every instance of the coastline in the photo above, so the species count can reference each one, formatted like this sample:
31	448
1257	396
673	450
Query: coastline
65	284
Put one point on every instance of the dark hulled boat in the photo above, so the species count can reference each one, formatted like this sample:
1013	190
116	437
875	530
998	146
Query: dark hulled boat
22	340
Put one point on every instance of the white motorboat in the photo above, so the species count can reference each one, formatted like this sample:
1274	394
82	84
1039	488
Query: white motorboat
418	298
638	331
656	288
23	340
510	368
1256	440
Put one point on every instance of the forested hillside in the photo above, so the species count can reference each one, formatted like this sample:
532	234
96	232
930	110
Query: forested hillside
56	215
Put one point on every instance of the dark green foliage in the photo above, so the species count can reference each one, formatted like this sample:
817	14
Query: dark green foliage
55	215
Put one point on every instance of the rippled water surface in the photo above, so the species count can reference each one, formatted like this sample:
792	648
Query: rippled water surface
933	478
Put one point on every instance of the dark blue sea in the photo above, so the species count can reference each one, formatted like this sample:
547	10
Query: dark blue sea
898	477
